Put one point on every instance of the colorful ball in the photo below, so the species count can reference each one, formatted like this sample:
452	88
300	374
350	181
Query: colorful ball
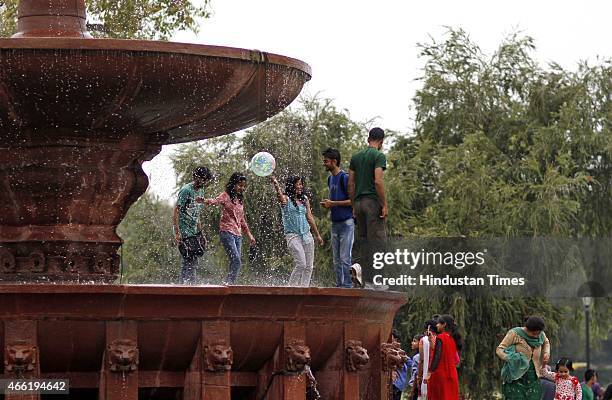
263	164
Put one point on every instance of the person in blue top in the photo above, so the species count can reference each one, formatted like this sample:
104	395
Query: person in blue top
401	375
400	384
343	225
298	223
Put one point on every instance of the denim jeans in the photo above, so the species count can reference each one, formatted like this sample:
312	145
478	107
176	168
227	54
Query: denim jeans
232	244
342	236
188	270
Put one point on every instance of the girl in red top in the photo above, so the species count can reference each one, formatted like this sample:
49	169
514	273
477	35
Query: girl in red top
233	223
444	381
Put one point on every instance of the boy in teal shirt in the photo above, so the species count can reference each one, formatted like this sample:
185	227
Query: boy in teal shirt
186	222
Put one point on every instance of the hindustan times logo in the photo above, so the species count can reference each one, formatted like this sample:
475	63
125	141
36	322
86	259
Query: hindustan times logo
412	259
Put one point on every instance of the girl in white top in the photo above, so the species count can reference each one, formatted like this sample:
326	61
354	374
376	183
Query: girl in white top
426	350
568	386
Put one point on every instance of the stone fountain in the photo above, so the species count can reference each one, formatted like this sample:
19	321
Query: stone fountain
78	117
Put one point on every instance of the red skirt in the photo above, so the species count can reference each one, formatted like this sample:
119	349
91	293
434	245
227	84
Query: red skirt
443	387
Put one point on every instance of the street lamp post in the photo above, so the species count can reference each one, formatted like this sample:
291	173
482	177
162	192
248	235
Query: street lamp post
587	301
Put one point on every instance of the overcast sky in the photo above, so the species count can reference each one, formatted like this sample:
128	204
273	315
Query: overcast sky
363	54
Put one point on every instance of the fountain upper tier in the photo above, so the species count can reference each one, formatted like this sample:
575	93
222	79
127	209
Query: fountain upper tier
171	92
53	76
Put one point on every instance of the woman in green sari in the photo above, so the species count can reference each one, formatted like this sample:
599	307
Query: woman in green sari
524	350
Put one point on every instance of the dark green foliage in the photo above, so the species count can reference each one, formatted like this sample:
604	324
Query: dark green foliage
132	19
148	251
503	148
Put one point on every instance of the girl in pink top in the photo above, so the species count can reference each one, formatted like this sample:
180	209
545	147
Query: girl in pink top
568	387
233	223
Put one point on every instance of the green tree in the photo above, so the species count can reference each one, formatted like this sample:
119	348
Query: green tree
503	148
132	19
8	17
148	251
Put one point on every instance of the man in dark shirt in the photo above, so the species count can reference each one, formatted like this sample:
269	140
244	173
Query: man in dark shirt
343	226
367	192
548	389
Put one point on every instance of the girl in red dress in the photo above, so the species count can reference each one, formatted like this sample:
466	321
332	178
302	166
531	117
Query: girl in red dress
444	381
567	386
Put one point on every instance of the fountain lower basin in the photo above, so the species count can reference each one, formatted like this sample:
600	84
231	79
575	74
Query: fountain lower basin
171	326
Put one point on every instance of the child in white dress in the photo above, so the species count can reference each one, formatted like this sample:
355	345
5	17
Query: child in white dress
568	386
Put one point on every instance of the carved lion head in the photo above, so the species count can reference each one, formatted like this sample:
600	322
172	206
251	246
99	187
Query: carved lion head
297	356
356	356
122	355
20	356
218	357
393	356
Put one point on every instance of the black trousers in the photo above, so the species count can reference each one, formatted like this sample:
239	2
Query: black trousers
370	234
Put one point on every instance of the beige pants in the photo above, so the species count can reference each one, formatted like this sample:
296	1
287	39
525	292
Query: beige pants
302	251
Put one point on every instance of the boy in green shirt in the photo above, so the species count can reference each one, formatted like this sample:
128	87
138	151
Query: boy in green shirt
590	377
367	192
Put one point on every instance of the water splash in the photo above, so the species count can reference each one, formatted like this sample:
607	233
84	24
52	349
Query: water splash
312	393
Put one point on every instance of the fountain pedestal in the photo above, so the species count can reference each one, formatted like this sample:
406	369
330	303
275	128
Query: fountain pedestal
61	203
60	18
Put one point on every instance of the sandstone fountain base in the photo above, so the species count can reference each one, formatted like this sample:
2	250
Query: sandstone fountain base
214	343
